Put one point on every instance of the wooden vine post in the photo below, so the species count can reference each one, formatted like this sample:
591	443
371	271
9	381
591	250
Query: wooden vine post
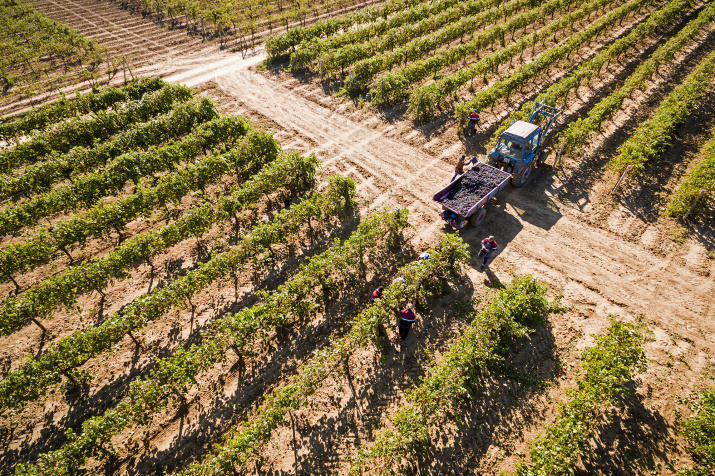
620	180
695	202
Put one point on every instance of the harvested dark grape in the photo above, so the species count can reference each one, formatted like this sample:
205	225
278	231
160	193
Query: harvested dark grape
474	185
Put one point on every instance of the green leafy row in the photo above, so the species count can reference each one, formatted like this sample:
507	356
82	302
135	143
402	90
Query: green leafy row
362	74
426	100
578	132
699	431
88	131
586	71
63	289
512	313
653	137
607	368
63	358
394	87
38	119
342	266
457	21
280	47
102	218
518	79
701	177
40	176
423	279
309	50
87	189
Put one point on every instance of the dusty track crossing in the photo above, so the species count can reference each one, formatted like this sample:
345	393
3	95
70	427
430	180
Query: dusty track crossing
600	269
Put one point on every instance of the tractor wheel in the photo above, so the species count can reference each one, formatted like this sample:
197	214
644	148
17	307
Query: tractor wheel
477	219
522	175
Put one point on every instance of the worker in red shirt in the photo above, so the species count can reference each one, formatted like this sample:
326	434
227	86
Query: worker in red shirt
472	122
407	318
377	294
488	247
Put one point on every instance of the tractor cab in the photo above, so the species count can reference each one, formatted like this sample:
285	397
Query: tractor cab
516	151
520	146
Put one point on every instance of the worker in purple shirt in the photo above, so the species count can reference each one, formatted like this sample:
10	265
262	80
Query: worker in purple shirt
407	318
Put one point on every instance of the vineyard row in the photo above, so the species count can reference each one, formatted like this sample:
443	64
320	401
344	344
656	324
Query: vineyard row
422	280
30	380
339	267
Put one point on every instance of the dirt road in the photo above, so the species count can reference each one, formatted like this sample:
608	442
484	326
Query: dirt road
580	248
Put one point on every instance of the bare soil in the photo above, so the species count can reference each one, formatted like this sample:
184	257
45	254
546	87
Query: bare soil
608	254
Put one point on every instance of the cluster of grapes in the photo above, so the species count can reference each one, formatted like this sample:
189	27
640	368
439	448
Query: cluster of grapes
474	185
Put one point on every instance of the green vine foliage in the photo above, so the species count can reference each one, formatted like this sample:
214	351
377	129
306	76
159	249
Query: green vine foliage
89	188
423	280
391	87
341	267
101	219
94	129
280	47
38	119
579	131
653	137
701	177
699	431
559	54
607	367
56	166
62	359
385	33
586	71
512	313
413	41
39	54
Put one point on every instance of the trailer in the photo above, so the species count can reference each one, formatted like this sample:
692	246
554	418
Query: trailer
464	199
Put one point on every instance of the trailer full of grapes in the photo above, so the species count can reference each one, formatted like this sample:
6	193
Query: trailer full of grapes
463	200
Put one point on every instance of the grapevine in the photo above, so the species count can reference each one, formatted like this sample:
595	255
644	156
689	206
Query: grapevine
340	266
88	189
588	69
382	88
78	131
504	88
509	315
579	131
56	166
39	54
607	366
423	279
40	118
310	49
654	136
461	19
35	375
699	431
701	177
104	217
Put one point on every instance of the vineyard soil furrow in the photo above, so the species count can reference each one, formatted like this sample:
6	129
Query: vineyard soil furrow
611	252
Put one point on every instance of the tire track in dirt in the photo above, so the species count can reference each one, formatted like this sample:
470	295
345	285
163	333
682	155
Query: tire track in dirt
92	15
621	271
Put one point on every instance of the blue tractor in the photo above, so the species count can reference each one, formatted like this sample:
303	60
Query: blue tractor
520	147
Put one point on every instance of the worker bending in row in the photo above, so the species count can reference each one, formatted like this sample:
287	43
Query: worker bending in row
489	245
472	123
